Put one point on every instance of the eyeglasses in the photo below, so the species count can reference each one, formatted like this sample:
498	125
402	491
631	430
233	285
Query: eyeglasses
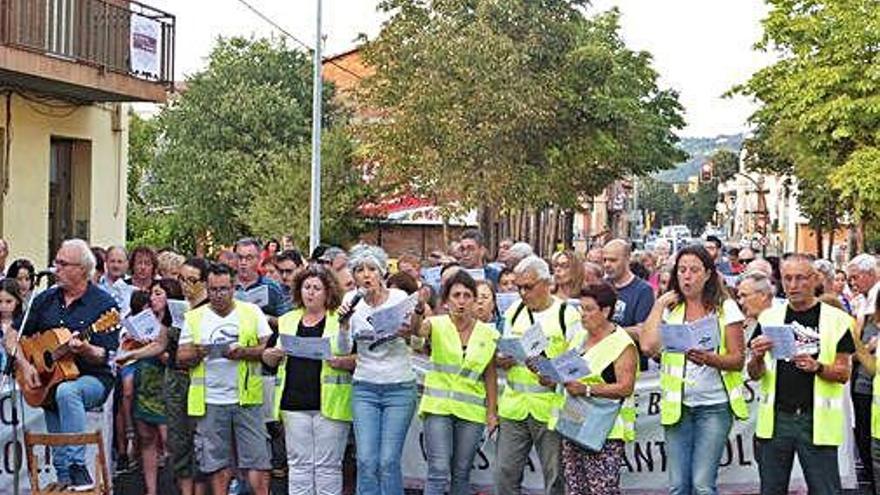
247	257
286	271
188	280
746	260
64	264
526	287
219	290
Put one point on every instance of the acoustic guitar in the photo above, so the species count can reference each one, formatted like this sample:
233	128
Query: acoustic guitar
49	352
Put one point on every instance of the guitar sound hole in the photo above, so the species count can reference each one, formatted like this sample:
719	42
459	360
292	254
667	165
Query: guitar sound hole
48	359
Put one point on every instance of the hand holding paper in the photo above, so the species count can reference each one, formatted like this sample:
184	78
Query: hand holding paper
782	337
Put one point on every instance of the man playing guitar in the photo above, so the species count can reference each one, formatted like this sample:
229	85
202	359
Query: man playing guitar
74	303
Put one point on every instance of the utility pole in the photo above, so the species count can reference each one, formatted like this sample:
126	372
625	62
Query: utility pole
317	90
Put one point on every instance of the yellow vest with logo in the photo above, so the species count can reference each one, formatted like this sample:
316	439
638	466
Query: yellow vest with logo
454	382
672	376
523	394
335	384
599	357
250	383
828	415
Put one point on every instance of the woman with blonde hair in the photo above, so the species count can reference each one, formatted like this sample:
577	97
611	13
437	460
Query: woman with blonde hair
568	274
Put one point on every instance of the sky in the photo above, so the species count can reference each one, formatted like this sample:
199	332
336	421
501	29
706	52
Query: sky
701	48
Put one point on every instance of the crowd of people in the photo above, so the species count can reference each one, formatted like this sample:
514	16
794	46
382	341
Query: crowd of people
219	393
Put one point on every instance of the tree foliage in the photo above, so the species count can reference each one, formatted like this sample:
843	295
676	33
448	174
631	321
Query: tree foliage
820	103
512	104
224	146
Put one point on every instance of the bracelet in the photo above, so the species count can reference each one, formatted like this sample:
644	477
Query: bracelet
589	392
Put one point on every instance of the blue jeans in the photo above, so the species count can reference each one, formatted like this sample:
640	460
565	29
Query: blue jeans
451	445
382	415
694	446
73	399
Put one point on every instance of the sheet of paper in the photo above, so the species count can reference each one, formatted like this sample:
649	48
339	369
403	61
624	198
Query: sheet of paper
177	308
143	327
782	336
387	321
504	300
534	341
731	280
257	295
706	333
512	347
476	273
431	276
121	293
676	338
700	334
570	366
316	348
546	368
217	350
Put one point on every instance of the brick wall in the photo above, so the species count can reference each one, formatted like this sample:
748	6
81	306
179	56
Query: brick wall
415	239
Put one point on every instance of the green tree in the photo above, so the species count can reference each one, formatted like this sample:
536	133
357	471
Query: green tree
725	165
512	104
819	103
281	203
660	200
232	133
144	225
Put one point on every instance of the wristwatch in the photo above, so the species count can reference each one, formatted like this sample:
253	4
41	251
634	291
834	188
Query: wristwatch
589	392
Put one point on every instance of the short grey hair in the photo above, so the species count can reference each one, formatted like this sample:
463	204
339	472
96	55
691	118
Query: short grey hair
597	270
532	263
863	263
86	256
364	254
247	241
760	282
824	267
520	250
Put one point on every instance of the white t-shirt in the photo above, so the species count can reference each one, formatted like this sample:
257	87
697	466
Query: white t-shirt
221	374
868	303
702	384
389	362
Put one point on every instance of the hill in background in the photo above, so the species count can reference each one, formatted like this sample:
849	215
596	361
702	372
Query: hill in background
699	149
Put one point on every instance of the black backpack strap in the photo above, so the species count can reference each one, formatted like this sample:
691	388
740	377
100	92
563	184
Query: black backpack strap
522	306
562	306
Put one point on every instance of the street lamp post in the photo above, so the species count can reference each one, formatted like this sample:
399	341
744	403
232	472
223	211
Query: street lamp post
317	89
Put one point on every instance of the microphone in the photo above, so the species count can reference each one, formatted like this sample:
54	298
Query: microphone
358	295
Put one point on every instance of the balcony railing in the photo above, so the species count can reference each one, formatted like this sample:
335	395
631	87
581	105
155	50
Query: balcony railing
122	36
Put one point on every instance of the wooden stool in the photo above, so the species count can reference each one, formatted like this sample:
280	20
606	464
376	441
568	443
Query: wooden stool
102	475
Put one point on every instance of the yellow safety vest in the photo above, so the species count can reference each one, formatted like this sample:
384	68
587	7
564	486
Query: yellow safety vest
875	405
454	382
600	356
250	383
523	394
672	374
828	415
335	384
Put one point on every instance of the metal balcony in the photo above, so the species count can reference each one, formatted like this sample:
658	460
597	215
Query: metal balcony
122	50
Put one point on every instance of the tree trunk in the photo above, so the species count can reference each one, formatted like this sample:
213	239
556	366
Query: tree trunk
819	236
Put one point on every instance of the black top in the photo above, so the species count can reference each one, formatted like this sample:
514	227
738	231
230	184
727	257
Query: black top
49	311
794	387
302	382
